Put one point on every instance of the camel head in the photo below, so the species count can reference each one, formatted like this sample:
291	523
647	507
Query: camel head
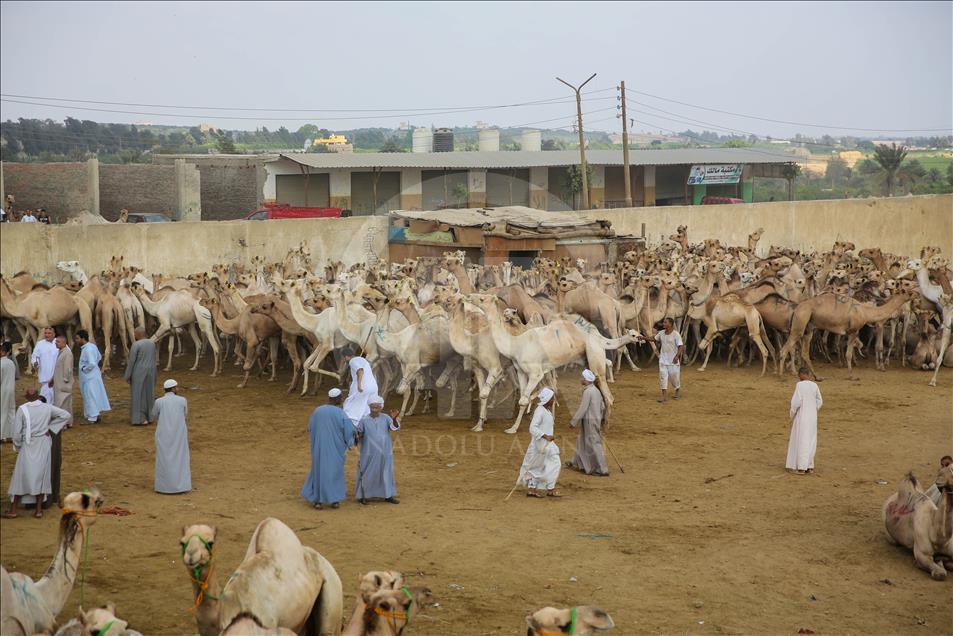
937	263
373	299
72	286
199	279
927	252
566	285
103	621
70	267
607	279
944	479
373	582
115	263
197	543
79	512
264	307
756	235
578	621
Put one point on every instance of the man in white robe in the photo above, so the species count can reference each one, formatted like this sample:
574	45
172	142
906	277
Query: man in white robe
8	381
805	403
541	464
35	422
44	363
363	387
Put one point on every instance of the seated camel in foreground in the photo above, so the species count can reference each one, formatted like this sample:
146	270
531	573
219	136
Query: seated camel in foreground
584	620
384	605
913	520
280	582
101	621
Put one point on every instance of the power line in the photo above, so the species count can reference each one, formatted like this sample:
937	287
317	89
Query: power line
558	100
791	123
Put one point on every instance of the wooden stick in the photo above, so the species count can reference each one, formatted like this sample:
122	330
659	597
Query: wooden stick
606	444
515	486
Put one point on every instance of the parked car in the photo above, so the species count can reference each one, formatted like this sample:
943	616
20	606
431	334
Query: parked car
713	200
147	217
283	211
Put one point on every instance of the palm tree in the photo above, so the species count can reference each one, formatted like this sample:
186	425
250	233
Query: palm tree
890	158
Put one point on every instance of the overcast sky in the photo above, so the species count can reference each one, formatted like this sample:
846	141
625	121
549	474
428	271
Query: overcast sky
878	65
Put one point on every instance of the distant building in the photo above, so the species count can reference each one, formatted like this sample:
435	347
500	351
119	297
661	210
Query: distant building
207	128
482	125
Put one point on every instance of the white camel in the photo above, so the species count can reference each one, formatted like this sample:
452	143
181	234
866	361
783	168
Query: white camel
27	606
181	309
281	582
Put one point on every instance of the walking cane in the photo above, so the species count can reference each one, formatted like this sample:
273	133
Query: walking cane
606	444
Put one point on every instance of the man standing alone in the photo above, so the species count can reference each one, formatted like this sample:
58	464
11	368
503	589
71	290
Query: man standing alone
95	401
63	399
332	434
805	403
590	458
173	470
670	352
141	376
44	363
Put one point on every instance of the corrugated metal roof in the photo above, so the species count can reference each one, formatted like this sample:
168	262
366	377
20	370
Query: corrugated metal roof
529	159
513	214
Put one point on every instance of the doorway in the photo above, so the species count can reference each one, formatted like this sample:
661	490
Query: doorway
522	258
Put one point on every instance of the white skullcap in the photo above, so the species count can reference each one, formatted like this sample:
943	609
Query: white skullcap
545	396
170	383
376	399
588	376
333	393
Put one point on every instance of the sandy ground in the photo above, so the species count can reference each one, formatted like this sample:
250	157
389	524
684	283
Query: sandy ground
704	533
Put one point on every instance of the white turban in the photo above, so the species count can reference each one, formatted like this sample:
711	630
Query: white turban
545	396
588	376
376	399
333	393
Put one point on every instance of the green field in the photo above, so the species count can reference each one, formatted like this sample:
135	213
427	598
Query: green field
932	159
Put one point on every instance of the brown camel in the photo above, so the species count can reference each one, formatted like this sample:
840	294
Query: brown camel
840	315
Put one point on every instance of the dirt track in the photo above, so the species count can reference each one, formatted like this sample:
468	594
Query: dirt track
661	547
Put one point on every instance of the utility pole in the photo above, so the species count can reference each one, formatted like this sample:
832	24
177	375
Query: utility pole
627	175
582	140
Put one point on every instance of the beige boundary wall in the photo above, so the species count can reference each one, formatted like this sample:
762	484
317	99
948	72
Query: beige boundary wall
899	225
183	248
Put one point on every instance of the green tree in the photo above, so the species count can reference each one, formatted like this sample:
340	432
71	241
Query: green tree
391	145
735	143
890	158
224	143
573	184
791	171
837	171
934	176
949	173
910	174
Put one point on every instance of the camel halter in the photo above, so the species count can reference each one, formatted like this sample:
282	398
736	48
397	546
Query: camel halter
82	577
104	630
393	616
196	573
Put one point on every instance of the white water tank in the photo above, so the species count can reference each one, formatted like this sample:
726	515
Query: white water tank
531	140
423	140
489	140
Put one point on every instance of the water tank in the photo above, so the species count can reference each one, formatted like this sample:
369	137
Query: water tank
489	140
423	140
443	140
531	140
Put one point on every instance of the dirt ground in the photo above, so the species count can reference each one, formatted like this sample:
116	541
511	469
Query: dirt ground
704	533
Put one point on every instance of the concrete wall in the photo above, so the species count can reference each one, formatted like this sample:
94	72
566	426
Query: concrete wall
900	225
231	184
61	188
140	187
182	248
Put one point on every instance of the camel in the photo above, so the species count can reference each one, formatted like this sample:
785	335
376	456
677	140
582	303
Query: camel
176	310
101	621
596	306
931	291
541	350
28	606
753	239
839	315
280	582
734	310
584	620
85	217
384	605
280	311
911	519
454	265
254	329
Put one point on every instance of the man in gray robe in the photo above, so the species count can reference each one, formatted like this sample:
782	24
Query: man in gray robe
9	372
375	470
590	457
35	422
141	376
173	473
63	399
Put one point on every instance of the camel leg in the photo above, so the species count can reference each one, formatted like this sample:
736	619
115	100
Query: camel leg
532	380
273	353
925	561
484	385
806	352
944	343
524	398
197	341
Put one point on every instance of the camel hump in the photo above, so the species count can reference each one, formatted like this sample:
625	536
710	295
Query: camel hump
275	536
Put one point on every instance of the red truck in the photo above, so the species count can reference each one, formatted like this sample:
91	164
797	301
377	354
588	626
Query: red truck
284	211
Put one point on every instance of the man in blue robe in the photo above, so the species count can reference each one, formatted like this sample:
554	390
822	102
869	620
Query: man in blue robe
332	434
95	401
375	471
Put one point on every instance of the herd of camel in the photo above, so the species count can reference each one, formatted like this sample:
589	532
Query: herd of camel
440	322
281	588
